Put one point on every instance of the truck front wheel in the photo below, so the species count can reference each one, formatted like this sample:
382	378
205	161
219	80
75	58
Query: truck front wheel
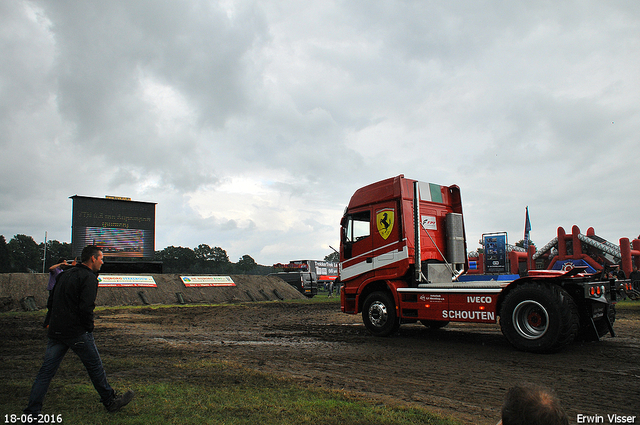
379	314
539	318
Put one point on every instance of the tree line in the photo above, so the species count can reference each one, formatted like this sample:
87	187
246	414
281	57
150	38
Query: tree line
23	255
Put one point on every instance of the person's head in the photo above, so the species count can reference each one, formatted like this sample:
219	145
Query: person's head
92	257
529	404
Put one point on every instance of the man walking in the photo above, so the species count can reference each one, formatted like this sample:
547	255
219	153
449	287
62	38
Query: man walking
70	321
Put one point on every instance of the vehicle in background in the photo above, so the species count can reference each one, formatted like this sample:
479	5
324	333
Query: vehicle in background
307	275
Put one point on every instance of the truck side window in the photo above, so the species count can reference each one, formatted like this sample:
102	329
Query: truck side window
358	226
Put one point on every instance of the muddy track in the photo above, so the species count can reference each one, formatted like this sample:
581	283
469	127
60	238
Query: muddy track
462	370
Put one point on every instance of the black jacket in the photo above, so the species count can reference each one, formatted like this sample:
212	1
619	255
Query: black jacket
71	303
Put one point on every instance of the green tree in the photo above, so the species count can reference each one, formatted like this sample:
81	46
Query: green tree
220	256
246	264
520	243
25	254
211	260
203	252
203	255
176	259
220	261
334	257
55	251
5	256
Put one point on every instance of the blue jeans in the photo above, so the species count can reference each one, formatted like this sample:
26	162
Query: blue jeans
85	348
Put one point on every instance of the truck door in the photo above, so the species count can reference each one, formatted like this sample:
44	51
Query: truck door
357	244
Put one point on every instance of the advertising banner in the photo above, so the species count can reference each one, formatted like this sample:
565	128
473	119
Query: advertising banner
194	281
495	252
125	280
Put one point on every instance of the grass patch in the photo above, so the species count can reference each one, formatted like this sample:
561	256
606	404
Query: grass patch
317	299
204	392
628	305
176	389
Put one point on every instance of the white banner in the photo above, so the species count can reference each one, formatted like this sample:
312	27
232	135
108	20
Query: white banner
126	280
190	281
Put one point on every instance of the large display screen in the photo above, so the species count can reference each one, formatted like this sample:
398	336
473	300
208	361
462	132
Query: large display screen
121	227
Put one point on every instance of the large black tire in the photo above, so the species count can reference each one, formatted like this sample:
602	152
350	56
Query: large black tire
539	318
379	314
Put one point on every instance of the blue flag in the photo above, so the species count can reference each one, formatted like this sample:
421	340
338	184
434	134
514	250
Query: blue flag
527	229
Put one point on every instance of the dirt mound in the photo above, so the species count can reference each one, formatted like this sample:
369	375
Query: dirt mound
15	287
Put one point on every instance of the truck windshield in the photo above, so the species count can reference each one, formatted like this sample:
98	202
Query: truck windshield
358	226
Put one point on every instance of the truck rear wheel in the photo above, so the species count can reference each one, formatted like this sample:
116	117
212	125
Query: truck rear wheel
379	314
539	318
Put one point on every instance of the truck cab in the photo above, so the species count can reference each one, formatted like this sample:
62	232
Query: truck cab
378	239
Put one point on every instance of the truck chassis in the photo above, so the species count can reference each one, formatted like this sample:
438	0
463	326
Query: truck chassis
535	314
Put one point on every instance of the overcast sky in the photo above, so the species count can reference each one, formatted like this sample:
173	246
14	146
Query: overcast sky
251	123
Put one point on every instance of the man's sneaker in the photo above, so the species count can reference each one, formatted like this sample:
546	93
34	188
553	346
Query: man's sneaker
120	401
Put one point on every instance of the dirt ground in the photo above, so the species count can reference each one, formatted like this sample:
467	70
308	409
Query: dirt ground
462	370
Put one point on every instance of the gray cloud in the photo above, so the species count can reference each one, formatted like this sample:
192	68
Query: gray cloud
252	123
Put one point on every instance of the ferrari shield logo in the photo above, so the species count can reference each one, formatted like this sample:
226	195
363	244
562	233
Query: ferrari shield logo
384	219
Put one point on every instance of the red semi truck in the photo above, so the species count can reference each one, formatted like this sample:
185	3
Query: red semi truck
403	258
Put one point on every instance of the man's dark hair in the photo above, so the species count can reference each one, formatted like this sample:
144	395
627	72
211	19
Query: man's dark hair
88	252
530	404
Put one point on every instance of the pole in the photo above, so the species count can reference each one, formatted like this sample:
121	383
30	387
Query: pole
44	257
417	222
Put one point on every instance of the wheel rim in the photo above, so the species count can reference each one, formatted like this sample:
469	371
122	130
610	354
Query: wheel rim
530	319
378	314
